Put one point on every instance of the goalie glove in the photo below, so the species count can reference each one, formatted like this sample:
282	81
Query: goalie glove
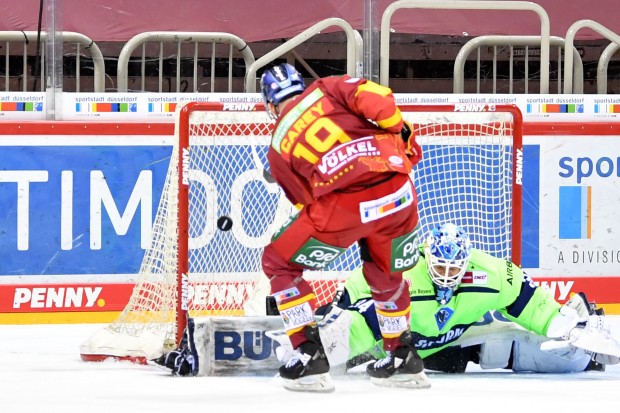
578	325
183	361
412	149
595	337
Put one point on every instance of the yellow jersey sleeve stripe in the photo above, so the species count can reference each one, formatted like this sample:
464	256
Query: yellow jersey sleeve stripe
391	121
373	87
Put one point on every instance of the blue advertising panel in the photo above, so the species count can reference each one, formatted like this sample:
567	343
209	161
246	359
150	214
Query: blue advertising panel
90	209
78	209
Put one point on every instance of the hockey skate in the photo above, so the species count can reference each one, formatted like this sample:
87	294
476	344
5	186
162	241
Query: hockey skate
308	369
402	367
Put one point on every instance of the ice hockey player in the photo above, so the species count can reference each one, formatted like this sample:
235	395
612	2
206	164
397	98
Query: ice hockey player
341	149
469	306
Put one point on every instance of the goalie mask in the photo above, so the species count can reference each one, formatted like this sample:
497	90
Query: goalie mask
447	252
279	83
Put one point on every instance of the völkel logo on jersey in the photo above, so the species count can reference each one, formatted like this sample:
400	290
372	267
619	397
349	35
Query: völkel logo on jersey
343	154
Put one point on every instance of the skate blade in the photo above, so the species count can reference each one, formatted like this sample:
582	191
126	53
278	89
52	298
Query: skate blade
318	383
404	380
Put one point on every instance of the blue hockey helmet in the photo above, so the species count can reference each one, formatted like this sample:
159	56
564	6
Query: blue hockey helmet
447	252
281	82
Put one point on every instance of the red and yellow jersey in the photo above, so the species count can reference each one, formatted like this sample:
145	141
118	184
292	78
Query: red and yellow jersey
342	132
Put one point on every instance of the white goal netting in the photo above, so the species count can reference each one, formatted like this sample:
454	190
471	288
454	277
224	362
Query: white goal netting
466	176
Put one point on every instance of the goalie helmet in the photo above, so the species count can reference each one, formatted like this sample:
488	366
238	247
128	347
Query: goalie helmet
447	252
281	82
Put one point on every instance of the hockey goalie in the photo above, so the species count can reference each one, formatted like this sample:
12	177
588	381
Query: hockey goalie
500	320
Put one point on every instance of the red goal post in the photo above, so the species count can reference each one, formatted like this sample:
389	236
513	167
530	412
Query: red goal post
470	174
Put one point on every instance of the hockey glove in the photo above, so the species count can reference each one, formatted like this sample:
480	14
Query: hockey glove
406	131
595	337
572	315
181	362
412	149
184	360
580	326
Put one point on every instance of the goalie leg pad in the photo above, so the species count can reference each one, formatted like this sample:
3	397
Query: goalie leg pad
334	330
495	354
334	333
528	357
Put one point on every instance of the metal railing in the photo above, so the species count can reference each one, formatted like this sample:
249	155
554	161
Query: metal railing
236	46
511	41
354	50
603	66
27	40
468	5
176	57
570	39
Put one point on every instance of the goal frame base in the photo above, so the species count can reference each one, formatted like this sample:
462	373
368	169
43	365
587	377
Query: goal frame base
98	358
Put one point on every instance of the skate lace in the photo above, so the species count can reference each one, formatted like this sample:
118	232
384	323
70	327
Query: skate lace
387	360
298	357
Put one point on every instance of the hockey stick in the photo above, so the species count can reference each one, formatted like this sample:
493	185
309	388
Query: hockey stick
267	177
259	165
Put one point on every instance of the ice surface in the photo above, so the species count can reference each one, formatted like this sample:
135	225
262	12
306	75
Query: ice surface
41	371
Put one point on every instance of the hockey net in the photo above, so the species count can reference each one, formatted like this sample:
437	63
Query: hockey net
470	174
